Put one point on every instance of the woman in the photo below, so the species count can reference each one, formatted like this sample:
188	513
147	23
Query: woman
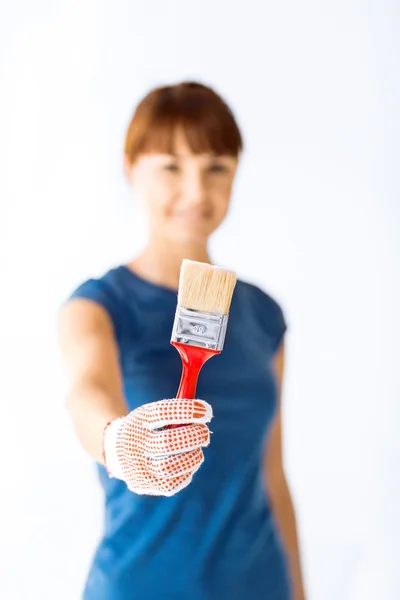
177	527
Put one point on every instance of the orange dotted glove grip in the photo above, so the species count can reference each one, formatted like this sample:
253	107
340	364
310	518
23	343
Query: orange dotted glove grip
151	459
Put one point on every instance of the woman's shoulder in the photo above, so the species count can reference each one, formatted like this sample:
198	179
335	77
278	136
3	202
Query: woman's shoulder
106	284
266	309
259	296
105	289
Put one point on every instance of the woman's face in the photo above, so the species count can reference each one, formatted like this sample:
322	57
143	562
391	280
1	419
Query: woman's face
185	195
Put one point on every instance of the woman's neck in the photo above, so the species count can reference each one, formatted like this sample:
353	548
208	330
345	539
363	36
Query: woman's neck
161	260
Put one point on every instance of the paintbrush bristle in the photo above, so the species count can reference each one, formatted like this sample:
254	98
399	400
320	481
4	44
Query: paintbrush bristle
205	287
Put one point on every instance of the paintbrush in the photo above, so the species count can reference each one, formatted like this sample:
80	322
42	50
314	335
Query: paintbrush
201	318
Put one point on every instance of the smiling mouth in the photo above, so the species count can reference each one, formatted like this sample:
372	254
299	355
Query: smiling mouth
193	216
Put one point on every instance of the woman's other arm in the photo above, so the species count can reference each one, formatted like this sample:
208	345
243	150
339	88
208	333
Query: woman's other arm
278	490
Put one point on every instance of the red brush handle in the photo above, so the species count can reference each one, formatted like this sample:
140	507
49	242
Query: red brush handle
193	358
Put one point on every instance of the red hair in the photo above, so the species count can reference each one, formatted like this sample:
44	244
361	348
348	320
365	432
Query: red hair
206	120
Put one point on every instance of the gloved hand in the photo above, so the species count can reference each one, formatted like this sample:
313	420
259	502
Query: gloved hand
155	461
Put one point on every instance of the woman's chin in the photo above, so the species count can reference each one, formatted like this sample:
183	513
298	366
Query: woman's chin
191	233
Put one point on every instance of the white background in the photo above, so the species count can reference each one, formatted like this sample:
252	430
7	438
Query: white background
314	221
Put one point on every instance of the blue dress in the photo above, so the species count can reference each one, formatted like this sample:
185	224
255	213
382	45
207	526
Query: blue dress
216	539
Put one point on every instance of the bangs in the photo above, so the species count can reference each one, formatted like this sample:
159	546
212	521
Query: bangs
204	133
196	111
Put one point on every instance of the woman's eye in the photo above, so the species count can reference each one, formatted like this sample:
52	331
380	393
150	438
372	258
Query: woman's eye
217	169
171	167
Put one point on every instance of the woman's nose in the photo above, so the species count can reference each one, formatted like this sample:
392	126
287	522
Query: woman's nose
195	189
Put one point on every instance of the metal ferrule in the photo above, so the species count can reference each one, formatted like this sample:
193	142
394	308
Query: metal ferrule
202	329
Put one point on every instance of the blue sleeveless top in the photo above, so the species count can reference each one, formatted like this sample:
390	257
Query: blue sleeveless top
216	539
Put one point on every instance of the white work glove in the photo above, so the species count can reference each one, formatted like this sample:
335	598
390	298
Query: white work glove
150	459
